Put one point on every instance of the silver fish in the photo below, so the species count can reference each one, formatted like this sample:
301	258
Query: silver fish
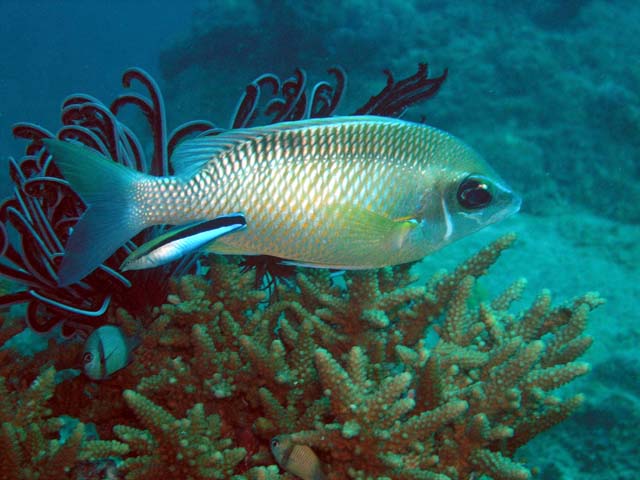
341	192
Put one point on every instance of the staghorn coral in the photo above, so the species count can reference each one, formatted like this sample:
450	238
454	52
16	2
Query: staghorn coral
463	406
29	443
381	377
347	368
186	448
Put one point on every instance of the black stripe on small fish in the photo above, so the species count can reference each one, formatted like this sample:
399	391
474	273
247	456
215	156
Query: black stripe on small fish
205	226
102	373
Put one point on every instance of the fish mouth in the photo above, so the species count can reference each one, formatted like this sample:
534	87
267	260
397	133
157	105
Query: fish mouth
512	203
516	203
510	209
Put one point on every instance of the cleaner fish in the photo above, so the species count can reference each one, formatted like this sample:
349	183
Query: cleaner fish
342	192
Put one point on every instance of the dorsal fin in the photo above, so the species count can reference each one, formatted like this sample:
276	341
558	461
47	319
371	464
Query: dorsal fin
191	155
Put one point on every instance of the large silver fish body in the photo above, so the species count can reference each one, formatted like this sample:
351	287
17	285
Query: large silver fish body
342	192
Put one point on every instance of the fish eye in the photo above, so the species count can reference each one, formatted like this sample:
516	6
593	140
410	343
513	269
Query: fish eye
274	443
474	193
87	357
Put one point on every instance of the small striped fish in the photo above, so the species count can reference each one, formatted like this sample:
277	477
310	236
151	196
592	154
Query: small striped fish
106	351
341	192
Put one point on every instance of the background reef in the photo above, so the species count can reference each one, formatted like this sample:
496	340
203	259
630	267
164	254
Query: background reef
547	91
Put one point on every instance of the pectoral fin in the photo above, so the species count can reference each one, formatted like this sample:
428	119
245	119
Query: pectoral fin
366	238
181	241
366	228
402	231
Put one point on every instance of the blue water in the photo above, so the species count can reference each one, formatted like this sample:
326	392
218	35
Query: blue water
51	49
546	91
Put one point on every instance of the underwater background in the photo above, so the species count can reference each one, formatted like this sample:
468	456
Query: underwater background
546	91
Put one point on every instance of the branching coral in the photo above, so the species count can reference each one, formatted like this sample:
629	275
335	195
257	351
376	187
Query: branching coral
380	377
30	447
465	405
352	370
185	448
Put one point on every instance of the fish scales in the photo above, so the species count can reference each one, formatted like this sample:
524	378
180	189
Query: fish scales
342	192
305	177
307	173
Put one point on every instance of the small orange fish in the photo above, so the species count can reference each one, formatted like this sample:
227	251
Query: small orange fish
299	460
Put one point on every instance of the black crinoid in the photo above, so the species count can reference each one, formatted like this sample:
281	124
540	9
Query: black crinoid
37	219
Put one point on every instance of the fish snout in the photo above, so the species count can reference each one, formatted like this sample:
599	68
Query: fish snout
478	202
507	203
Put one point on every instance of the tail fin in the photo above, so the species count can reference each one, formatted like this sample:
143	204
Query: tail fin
107	189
